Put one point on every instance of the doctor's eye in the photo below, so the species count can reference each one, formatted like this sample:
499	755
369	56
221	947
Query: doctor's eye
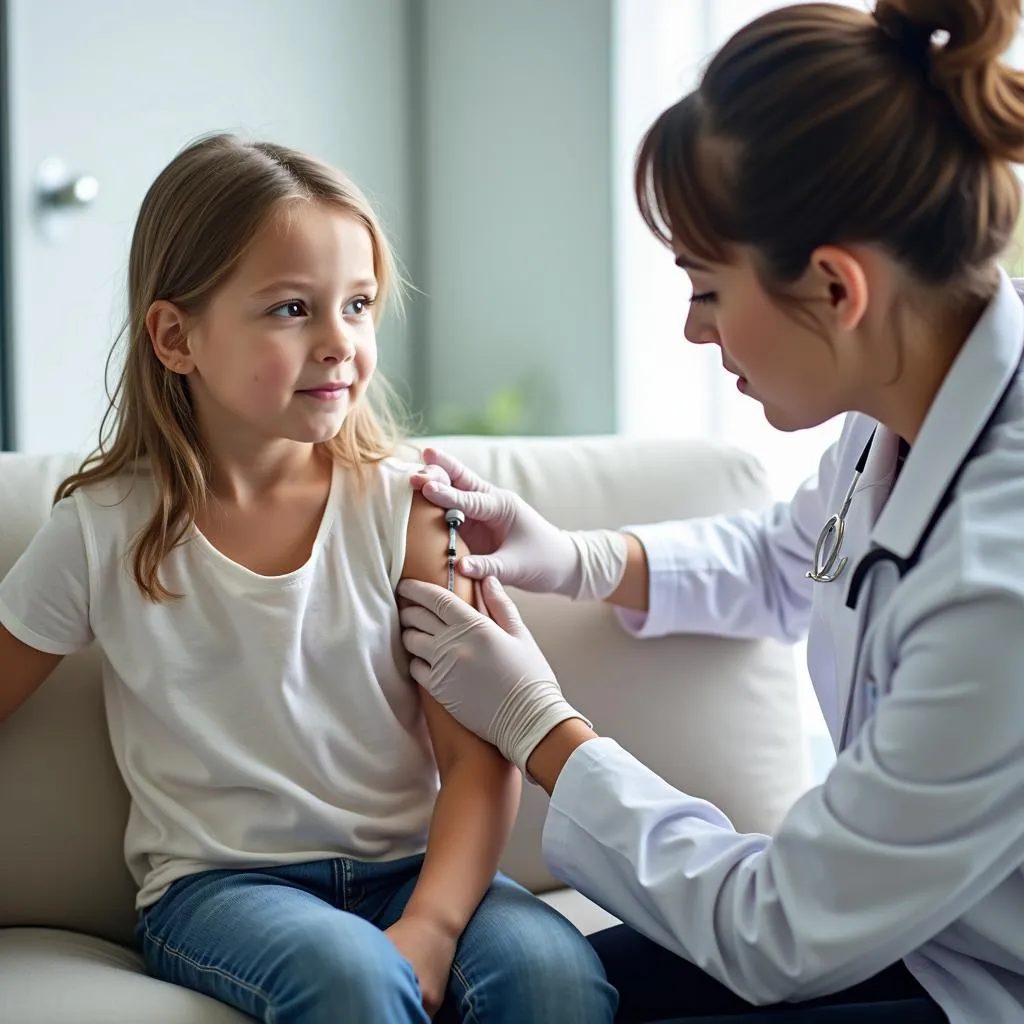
703	297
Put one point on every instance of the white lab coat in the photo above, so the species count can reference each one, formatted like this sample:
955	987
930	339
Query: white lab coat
913	847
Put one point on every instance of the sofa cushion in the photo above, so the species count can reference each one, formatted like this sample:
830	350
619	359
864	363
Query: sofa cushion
585	914
105	983
58	977
719	718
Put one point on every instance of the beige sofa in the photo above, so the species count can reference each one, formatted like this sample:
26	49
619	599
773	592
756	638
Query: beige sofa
718	718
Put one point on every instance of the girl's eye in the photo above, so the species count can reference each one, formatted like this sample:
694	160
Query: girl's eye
359	307
293	308
704	297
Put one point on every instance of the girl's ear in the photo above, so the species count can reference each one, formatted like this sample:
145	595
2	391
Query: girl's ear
166	325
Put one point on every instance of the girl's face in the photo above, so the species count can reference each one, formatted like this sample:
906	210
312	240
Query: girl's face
286	346
795	371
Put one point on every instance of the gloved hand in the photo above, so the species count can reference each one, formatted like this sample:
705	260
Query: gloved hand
513	542
489	675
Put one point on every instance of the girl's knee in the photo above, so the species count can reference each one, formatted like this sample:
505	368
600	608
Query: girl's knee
547	971
566	974
359	980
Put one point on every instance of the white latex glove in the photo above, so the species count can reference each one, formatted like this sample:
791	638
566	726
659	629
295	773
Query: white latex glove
490	675
513	542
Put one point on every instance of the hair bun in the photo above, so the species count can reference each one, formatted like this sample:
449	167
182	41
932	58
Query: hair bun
987	94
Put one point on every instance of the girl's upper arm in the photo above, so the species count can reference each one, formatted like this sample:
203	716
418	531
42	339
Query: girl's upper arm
426	558
24	669
426	548
44	606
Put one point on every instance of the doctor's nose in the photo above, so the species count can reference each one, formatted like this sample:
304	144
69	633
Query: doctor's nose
699	328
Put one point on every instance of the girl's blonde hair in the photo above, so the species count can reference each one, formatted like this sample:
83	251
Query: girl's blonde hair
195	224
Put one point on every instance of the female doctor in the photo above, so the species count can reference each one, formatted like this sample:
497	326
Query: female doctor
838	190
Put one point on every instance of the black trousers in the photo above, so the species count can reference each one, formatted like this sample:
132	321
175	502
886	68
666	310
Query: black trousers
657	986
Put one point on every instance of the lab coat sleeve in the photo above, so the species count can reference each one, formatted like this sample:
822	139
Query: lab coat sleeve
919	820
741	575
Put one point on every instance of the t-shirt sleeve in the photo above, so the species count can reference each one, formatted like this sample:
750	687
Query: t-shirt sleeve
393	512
44	598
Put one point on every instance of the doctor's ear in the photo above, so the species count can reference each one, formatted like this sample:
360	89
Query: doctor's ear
841	276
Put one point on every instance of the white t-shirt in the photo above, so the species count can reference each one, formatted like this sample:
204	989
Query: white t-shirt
256	720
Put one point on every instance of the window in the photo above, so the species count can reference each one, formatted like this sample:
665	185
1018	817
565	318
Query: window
667	386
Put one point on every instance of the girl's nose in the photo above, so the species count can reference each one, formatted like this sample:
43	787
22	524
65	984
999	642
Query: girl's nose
336	344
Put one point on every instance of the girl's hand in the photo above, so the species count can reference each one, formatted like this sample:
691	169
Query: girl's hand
430	949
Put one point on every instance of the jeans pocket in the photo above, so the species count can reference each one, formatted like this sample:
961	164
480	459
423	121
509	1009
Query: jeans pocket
369	888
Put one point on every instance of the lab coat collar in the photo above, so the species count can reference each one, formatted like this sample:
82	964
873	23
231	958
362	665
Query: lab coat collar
973	387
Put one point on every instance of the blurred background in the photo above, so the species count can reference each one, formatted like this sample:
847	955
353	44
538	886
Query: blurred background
496	140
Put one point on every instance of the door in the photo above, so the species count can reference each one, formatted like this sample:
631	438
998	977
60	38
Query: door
102	94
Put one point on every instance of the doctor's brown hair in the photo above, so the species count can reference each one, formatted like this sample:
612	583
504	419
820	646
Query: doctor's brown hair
817	124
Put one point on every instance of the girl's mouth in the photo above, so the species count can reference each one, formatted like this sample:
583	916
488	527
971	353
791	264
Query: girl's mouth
327	393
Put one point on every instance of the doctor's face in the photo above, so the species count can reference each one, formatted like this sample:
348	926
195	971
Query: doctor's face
779	356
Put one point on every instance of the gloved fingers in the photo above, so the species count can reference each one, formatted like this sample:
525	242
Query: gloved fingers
476	567
418	618
502	608
420	671
420	645
461	477
482	506
451	610
429	474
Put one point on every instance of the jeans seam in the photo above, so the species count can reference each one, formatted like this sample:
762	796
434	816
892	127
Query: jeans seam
352	893
472	1017
209	969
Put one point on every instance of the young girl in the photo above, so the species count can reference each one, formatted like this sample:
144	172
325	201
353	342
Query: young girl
234	551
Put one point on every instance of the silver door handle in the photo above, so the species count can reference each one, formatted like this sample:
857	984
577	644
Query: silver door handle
58	189
81	191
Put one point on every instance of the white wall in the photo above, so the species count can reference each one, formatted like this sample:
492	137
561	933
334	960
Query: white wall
116	88
517	264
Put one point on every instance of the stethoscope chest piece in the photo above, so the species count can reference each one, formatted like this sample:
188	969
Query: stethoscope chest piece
826	568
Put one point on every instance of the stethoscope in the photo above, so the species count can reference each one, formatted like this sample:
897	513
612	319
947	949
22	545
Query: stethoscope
825	568
829	570
829	562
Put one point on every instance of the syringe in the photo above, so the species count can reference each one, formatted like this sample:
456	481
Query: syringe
454	518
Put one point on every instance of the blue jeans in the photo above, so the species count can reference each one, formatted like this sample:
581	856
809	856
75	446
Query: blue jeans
655	985
304	944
